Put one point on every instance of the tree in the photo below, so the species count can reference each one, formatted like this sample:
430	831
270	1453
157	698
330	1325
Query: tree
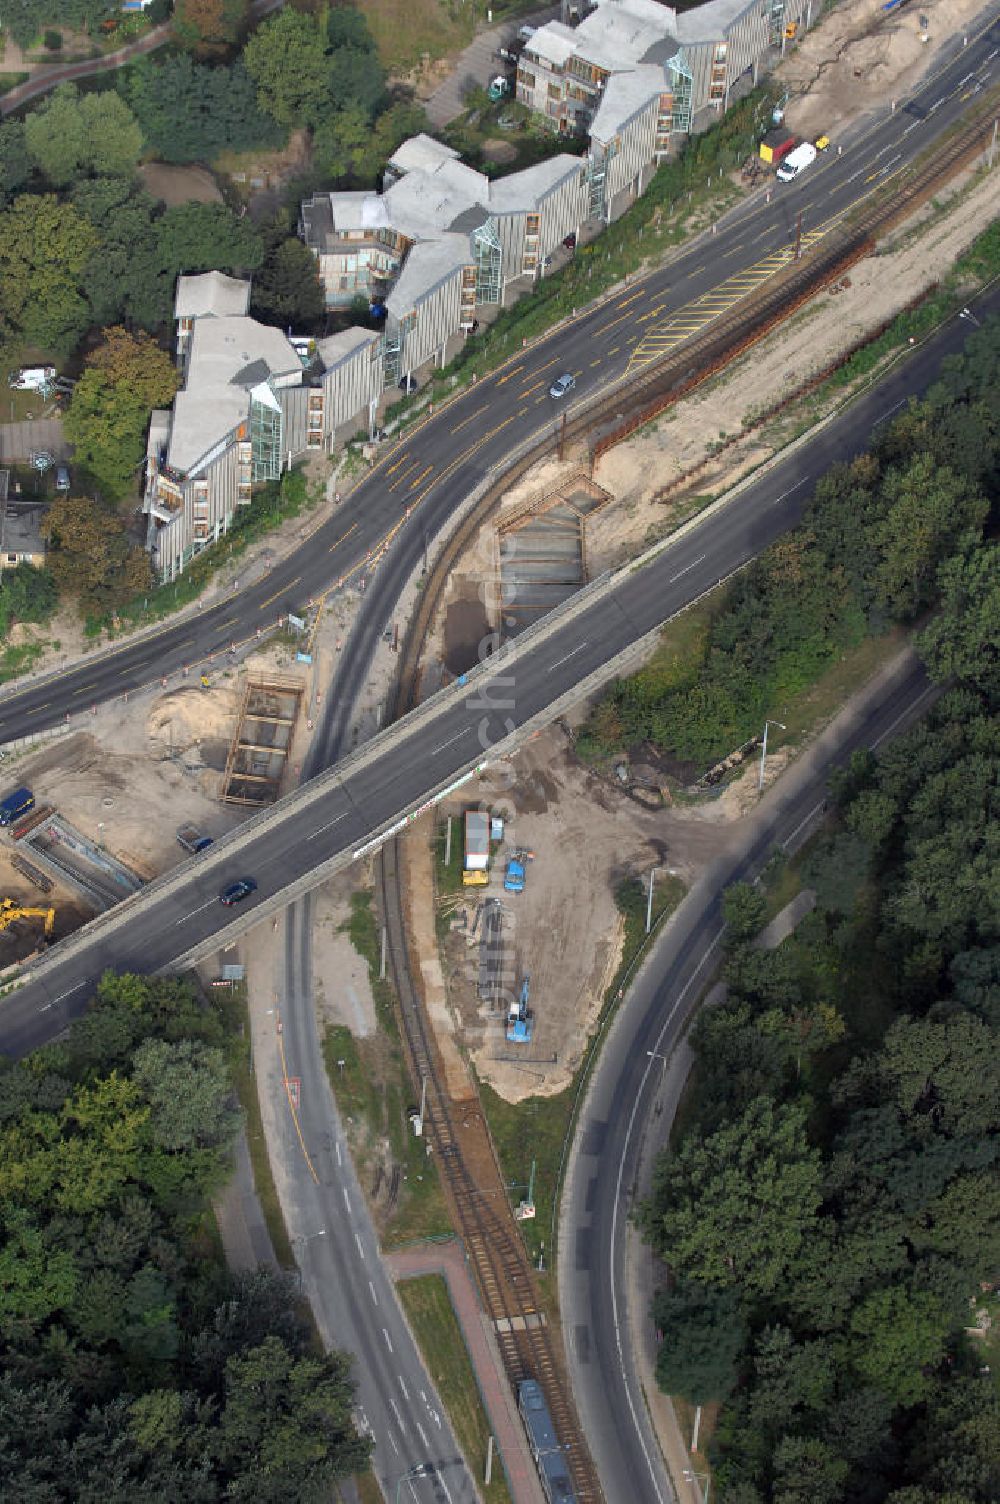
69	132
124	278
287	290
744	906
702	1337
807	1471
190	113
210	28
27	594
287	59
899	1335
286	1429
732	1208
927	509
207	237
108	414
15	163
963	639
44	247
187	1087
90	555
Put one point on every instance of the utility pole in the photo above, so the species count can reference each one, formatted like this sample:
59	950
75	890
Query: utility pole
763	752
798	237
562	436
649	901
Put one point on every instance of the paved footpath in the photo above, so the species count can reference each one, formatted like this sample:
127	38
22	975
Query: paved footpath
477	65
448	1260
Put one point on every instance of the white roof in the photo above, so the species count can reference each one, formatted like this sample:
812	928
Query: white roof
357	211
553	43
422	154
626	95
620	33
336	348
710	22
426	267
229	358
210	293
524	191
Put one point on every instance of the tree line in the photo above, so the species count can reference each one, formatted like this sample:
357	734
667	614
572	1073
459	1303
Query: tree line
132	1363
866	556
830	1209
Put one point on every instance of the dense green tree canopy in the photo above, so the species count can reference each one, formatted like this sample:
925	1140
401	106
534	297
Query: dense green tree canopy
190	113
44	248
70	133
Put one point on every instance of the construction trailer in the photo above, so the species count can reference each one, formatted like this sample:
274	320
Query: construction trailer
476	863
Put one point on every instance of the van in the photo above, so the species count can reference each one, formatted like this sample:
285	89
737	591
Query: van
797	161
32	378
15	805
62	478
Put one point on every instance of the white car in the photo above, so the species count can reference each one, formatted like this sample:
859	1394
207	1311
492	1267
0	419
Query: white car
562	385
32	378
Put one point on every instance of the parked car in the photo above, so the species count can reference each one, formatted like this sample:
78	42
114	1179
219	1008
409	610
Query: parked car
562	384
62	478
570	242
237	891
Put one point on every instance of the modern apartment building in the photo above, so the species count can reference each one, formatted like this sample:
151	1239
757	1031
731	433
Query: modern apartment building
440	241
251	402
635	75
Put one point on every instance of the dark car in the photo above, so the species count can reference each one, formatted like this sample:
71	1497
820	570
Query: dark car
238	890
570	242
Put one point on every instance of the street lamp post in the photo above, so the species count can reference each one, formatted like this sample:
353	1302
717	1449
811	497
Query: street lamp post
970	317
422	1470
763	751
649	900
702	1480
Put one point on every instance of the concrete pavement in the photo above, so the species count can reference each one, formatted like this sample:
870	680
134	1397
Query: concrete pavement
478	64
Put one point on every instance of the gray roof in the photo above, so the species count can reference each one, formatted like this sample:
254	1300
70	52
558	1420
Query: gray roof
526	190
228	357
422	154
20	529
422	204
553	43
710	22
211	293
337	348
618	34
428	265
626	95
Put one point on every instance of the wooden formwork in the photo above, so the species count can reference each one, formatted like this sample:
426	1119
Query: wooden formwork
258	754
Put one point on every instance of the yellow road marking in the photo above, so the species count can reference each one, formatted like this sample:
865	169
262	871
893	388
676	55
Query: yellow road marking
340	540
401	461
283	591
418	478
529	389
291	1104
470	418
512	372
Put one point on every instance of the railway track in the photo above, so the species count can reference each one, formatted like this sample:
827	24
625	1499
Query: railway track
464	1152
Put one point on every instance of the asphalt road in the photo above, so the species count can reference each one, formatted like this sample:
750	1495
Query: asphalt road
436	469
627	1100
406	763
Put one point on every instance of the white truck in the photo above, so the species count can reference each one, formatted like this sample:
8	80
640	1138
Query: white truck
797	161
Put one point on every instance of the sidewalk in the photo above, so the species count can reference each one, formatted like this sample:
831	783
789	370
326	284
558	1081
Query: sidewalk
246	1241
448	1260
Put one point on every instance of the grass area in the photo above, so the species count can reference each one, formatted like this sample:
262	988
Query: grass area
429	1310
406	30
10	81
19	660
368	1489
448	884
246	1088
816	705
373	1092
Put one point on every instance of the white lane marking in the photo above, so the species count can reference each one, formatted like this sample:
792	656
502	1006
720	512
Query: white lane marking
347	1199
328	826
361	1248
371	1288
388	1339
447	1490
198	910
402	1385
63	995
422	1434
456	738
559	661
889	411
394	1446
435	1417
423	1396
399	1419
909	710
687	568
339	1159
787	842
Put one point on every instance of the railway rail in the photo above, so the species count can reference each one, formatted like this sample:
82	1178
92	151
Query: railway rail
464	1151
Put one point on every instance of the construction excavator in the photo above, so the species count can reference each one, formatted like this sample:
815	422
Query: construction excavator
11	911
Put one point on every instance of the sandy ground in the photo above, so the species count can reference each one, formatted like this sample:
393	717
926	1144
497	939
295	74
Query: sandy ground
858	58
342	991
180	185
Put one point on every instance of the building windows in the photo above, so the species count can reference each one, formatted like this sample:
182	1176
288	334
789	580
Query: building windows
525	79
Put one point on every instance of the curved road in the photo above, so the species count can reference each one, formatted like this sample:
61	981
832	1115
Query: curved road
631	1093
435	469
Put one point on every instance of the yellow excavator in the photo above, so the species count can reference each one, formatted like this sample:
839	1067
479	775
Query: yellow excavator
11	911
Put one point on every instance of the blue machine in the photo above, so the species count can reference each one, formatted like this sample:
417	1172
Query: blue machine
550	1459
520	1025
